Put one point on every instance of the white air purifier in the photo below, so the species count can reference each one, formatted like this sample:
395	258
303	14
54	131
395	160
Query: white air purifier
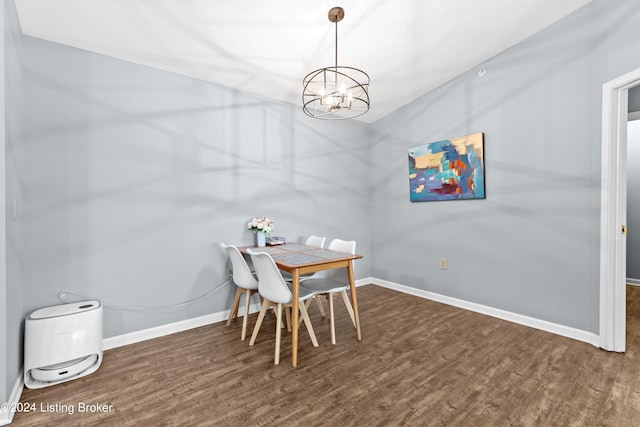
62	343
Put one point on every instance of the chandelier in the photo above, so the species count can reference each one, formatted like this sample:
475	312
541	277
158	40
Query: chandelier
336	93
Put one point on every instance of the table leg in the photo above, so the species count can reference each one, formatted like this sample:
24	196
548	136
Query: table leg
295	286
354	301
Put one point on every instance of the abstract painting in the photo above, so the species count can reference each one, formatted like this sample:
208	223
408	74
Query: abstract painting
452	169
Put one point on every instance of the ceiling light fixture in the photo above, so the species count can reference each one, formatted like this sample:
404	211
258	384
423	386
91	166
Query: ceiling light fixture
335	93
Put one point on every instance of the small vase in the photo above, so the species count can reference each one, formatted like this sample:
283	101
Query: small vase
261	239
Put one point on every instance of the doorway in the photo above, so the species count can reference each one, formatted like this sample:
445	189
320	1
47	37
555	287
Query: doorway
613	211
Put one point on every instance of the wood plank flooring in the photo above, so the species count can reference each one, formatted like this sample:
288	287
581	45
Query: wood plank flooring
420	363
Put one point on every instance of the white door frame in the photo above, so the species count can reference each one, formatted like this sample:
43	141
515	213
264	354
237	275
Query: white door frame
613	211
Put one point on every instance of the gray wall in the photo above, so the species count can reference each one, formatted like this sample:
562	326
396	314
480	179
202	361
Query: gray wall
633	200
11	343
5	389
532	246
133	176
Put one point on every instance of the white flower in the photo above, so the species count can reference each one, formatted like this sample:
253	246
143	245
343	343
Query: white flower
264	224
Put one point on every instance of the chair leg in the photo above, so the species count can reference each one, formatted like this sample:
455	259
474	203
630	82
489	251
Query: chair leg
256	328
347	304
307	322
278	333
234	307
319	301
307	304
287	315
247	300
331	319
274	311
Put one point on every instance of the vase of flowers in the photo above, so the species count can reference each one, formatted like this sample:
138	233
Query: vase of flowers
261	227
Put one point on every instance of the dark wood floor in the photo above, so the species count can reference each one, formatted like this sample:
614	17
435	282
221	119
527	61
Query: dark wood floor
419	363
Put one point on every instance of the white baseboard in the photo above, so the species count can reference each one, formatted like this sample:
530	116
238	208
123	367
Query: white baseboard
6	417
635	282
532	322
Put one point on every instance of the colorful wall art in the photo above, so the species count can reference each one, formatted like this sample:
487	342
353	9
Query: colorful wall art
452	169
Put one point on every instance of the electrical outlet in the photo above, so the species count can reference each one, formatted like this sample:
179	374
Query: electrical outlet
443	263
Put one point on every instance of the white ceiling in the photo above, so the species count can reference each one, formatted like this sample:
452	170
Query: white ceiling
407	47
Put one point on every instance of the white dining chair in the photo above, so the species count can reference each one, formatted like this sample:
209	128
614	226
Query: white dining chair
246	283
275	293
315	241
334	281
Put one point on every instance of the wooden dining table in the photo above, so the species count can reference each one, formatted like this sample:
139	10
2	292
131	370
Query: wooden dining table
298	259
